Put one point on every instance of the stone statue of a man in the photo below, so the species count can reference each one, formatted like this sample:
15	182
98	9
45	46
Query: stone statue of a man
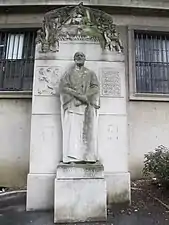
80	101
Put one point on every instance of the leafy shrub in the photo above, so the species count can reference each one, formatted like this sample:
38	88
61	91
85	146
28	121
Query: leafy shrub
157	163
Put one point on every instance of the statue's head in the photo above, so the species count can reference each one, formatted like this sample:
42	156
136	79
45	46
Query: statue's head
79	58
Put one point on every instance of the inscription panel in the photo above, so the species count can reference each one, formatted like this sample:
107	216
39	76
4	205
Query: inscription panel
79	171
110	83
47	80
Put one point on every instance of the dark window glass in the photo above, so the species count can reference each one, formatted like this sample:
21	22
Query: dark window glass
152	62
17	50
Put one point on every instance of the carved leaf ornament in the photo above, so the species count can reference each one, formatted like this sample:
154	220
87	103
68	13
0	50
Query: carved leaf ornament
78	23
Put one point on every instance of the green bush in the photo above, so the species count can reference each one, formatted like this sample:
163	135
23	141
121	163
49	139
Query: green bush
157	163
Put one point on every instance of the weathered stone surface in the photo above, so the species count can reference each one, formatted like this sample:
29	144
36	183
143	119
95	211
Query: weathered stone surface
47	80
91	49
112	143
78	171
82	197
45	147
110	82
80	193
80	100
80	200
46	105
118	187
78	23
40	192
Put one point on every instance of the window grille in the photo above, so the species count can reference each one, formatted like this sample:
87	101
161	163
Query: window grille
152	62
17	50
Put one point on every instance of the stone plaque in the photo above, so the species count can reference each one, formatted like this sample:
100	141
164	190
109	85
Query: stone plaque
110	83
47	80
78	171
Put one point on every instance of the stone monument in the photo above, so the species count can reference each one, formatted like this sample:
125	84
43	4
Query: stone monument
79	138
80	187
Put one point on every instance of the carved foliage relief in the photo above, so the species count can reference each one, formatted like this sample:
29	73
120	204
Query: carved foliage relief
78	23
110	83
47	80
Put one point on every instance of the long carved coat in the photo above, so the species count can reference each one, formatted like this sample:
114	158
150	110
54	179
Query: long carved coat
79	92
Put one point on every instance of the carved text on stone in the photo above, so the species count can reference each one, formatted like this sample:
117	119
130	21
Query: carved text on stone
110	82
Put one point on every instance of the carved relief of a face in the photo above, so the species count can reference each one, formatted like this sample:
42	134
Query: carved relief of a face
79	58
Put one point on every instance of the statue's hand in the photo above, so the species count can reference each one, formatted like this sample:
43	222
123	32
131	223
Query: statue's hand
83	99
78	103
96	106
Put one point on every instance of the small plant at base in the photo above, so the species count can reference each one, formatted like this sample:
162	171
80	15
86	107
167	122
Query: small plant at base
157	163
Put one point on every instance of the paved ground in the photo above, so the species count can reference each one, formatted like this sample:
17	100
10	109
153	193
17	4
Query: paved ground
46	218
144	210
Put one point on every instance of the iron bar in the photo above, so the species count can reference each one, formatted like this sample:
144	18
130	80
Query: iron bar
17	60
151	50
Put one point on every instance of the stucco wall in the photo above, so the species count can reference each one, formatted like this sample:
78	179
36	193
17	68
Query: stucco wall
15	122
148	127
15	118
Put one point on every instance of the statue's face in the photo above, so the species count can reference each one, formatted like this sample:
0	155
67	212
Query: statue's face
79	58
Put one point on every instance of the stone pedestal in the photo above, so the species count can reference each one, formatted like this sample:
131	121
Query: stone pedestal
80	193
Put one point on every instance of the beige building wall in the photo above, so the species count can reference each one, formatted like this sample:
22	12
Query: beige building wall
148	127
148	121
15	120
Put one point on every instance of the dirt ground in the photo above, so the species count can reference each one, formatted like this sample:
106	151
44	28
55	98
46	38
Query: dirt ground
149	199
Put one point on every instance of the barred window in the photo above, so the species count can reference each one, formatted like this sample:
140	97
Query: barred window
17	50
152	62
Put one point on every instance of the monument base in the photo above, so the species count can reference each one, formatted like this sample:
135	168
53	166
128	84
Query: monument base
118	188
40	192
80	193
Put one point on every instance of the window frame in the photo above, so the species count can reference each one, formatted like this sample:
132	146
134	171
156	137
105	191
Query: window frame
133	95
17	94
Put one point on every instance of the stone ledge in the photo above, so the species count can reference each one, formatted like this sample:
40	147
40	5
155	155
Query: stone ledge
80	171
153	4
